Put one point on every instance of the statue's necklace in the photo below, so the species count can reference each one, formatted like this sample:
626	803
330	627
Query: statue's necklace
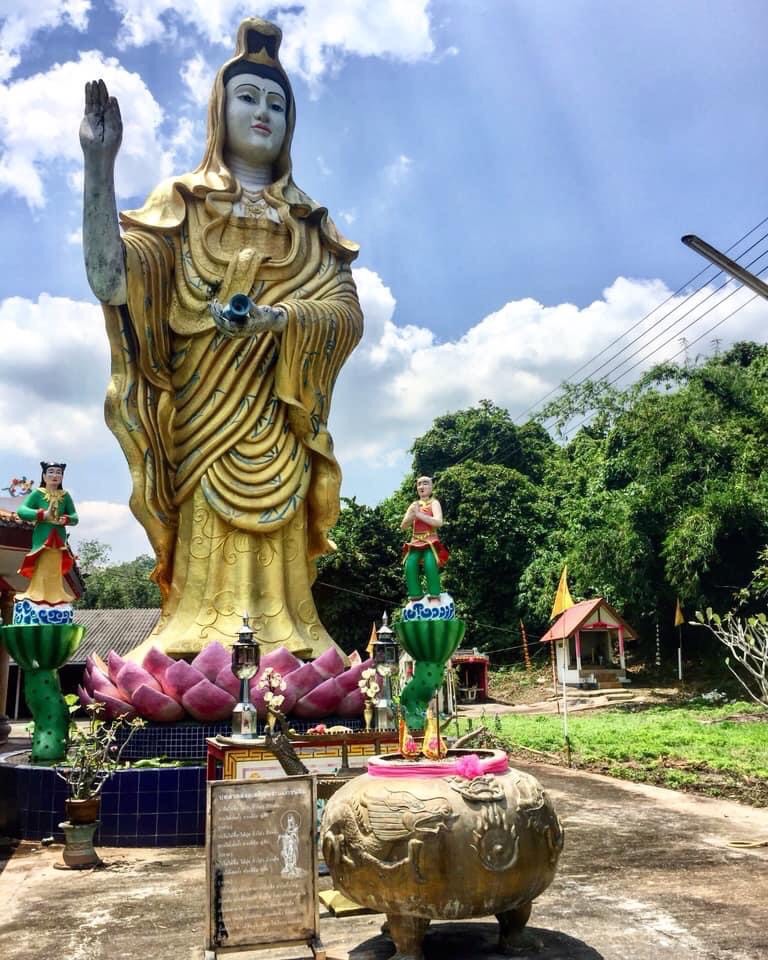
254	204
53	498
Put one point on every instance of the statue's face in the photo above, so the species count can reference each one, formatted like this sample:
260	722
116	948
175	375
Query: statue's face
256	118
424	488
54	476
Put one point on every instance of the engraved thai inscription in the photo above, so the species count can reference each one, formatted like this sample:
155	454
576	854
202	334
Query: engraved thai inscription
261	862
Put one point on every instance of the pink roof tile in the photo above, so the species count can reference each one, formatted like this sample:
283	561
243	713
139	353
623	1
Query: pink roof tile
570	620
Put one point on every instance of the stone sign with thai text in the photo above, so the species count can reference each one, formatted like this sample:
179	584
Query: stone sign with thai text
261	863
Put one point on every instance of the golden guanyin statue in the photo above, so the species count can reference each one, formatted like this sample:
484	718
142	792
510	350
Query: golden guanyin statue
230	308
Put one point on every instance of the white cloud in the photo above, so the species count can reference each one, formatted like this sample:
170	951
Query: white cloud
75	237
348	216
18	26
40	116
405	377
111	523
451	51
322	166
318	34
52	383
198	76
397	171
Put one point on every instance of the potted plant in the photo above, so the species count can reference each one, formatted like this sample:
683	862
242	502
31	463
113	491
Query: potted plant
93	756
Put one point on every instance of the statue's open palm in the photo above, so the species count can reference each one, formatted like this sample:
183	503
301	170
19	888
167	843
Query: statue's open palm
101	130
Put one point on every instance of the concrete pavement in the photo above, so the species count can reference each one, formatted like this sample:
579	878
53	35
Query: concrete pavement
646	874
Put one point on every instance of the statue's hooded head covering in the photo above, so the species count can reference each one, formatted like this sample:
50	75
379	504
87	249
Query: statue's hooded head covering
258	44
256	51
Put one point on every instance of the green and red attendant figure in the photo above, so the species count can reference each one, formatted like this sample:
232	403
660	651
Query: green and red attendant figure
425	517
51	510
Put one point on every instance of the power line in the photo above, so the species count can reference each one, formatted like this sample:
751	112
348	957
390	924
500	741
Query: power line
688	344
565	382
669	326
677	321
395	603
357	593
671	296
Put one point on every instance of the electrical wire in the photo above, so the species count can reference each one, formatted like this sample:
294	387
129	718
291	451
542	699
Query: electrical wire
629	329
472	452
687	345
669	326
677	333
396	603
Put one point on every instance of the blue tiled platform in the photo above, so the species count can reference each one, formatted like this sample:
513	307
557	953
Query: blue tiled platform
186	741
139	808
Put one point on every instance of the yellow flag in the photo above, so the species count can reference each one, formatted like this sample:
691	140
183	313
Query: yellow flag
563	598
374	638
679	618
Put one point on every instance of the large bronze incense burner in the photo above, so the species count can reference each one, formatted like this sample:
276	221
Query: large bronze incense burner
464	837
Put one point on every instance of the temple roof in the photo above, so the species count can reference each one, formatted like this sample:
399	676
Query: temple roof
118	630
583	614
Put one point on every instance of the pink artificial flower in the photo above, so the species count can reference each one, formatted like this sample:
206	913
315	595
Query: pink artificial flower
469	766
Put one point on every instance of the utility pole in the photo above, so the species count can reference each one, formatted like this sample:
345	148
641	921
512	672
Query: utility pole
725	263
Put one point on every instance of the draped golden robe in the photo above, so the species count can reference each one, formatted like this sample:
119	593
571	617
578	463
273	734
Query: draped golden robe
234	477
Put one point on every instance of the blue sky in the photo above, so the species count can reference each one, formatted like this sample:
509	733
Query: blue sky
518	176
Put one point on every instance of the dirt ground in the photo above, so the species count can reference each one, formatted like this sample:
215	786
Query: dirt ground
646	874
533	692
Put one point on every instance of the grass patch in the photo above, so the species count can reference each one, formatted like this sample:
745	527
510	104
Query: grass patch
671	745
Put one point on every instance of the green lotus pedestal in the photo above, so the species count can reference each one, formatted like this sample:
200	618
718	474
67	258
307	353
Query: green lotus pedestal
431	643
40	650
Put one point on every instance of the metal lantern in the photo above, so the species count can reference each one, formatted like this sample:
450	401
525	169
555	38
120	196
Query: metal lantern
245	664
385	648
385	654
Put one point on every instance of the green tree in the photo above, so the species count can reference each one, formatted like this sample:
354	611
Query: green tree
119	585
492	524
663	493
482	434
362	578
92	555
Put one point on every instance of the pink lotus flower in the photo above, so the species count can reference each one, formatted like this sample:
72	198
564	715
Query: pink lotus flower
166	690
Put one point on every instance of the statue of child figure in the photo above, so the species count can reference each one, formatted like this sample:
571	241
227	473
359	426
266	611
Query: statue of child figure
423	550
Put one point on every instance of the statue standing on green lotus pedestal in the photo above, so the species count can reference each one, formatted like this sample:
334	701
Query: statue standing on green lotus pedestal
428	629
230	308
47	599
43	637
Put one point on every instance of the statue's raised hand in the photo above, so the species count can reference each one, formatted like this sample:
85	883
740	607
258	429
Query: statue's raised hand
101	130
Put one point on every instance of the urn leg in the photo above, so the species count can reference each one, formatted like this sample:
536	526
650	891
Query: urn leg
512	933
407	933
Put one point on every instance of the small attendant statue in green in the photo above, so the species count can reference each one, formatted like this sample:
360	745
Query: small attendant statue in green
51	510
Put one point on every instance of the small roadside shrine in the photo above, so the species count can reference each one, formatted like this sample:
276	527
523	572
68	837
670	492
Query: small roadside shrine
589	640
